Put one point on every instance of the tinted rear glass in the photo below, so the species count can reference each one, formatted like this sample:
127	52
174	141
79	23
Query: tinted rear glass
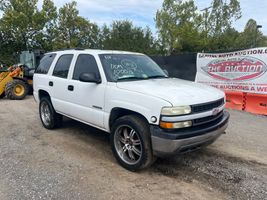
45	64
62	67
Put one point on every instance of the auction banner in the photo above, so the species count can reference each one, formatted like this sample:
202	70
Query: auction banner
243	71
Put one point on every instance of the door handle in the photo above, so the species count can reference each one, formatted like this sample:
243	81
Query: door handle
70	87
50	83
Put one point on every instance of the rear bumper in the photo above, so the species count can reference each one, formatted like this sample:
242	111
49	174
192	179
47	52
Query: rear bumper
166	143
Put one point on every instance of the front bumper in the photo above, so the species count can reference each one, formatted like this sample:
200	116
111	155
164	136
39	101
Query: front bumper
166	143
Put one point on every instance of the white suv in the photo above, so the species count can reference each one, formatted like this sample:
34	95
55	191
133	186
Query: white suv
128	95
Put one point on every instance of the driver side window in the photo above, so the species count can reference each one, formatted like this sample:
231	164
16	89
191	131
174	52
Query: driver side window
85	63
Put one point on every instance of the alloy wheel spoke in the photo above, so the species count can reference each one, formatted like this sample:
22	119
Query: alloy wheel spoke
132	133
131	155
136	151
125	133
124	148
136	142
122	140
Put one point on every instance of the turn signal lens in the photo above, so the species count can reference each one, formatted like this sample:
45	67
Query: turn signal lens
171	125
167	125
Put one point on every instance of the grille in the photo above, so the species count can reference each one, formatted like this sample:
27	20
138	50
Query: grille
208	119
207	106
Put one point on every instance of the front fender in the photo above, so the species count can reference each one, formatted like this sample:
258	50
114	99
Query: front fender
145	105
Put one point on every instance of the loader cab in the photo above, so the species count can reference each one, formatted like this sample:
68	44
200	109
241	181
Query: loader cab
31	58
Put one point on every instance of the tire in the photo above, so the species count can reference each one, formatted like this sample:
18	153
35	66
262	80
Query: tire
2	95
30	92
16	90
49	118
131	143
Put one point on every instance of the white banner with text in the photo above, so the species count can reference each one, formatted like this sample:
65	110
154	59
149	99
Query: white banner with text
243	71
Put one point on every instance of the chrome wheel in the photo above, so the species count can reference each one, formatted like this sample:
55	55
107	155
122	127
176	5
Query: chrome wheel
45	113
128	144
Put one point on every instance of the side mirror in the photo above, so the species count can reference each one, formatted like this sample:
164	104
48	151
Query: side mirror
166	72
90	78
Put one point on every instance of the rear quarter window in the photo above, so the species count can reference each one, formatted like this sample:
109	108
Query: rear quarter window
45	64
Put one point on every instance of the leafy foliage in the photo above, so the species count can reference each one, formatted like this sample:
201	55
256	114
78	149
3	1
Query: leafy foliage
23	25
184	28
124	35
251	37
181	28
177	22
73	30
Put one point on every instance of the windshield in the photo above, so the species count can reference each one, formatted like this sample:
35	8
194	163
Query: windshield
121	67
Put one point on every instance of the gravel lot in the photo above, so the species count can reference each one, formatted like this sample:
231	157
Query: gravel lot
76	162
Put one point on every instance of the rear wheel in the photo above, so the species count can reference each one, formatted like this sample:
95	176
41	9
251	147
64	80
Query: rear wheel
49	118
131	143
16	90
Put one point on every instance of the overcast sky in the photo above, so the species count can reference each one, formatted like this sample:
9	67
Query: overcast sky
142	12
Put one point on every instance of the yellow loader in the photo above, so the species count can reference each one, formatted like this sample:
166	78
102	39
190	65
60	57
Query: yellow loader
15	82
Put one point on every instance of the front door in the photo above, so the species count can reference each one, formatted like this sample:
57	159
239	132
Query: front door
86	99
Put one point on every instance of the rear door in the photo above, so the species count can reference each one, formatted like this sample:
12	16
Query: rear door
59	83
86	100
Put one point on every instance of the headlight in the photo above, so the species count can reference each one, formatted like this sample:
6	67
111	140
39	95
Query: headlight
173	125
177	110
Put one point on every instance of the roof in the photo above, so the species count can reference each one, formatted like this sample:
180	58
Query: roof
95	51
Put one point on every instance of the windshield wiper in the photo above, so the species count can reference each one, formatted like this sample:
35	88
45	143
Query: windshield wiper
141	78
131	78
158	76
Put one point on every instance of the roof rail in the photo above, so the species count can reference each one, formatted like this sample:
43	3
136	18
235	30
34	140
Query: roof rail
78	48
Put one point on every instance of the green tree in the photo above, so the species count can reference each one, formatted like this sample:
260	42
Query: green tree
123	35
74	30
178	22
46	37
23	25
222	15
7	46
251	36
24	21
182	28
221	35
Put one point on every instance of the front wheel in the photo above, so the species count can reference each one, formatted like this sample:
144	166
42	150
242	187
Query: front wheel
49	118
131	143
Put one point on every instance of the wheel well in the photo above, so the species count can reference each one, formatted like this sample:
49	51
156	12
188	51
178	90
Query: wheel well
42	94
119	112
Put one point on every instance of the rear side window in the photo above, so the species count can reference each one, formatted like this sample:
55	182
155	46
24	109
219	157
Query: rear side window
45	64
85	64
62	67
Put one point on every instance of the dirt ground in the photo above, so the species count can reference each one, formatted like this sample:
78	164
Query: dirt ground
76	162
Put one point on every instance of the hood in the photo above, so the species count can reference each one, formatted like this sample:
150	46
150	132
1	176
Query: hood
176	91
